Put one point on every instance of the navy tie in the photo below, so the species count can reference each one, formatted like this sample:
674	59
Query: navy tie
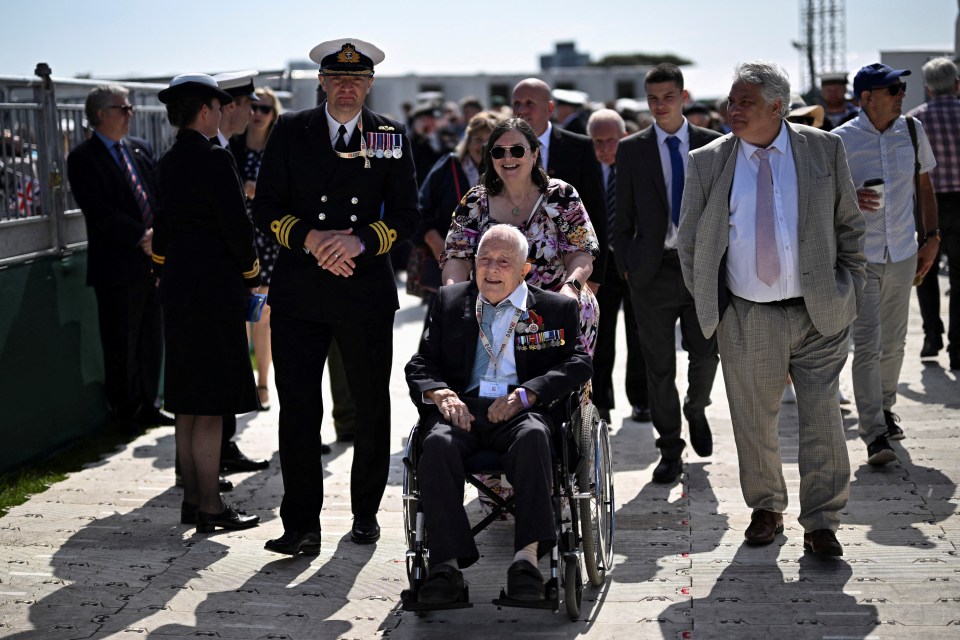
611	201
342	140
139	193
676	179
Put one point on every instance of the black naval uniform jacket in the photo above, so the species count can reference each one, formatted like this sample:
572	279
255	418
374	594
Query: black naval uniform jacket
303	185
202	237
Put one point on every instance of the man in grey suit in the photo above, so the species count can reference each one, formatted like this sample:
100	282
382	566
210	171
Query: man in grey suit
650	168
771	247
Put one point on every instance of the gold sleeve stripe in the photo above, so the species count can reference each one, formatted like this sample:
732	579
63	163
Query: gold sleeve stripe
281	228
158	259
253	272
386	235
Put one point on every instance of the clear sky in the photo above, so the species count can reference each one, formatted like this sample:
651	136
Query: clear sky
111	38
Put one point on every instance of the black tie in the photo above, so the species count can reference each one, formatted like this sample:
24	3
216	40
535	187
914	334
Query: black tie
611	200
342	140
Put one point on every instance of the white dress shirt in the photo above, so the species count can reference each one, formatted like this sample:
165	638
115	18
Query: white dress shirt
742	277
682	134
334	127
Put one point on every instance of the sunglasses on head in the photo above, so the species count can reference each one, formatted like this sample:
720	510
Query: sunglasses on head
894	89
516	151
265	109
126	108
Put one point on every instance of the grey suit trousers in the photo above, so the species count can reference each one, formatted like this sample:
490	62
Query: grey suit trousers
759	344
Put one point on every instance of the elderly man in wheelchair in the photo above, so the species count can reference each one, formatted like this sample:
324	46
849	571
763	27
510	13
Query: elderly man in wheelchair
496	357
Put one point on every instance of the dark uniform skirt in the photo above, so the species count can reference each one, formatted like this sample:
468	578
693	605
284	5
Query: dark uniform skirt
207	371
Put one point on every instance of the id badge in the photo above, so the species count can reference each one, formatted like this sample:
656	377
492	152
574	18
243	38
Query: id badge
493	388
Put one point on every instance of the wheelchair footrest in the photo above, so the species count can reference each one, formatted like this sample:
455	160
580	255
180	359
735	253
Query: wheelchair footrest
410	603
548	603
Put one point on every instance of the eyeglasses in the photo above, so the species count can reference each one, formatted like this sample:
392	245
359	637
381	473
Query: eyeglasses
265	109
894	89
126	108
516	151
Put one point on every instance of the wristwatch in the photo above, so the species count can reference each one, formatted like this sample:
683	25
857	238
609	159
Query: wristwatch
576	284
934	233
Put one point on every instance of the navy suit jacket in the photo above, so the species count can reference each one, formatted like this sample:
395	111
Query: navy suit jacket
113	219
643	205
449	345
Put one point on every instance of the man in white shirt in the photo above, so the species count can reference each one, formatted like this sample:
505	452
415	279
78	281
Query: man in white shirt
771	247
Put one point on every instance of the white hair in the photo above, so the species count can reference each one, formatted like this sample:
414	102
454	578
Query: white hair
772	78
510	235
606	115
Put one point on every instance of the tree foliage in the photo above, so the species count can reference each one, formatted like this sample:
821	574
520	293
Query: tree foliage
640	59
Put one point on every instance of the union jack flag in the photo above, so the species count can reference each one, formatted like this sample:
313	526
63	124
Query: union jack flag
27	189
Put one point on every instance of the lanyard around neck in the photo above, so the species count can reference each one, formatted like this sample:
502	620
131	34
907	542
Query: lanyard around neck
495	359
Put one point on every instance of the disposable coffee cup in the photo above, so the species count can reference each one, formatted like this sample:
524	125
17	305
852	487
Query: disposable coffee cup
876	185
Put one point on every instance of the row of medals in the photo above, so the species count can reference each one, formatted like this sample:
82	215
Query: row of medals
379	152
550	339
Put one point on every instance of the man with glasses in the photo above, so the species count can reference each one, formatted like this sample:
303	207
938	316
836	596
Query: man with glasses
881	155
337	190
113	179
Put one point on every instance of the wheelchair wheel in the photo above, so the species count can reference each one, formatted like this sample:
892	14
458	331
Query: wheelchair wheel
572	587
410	493
595	477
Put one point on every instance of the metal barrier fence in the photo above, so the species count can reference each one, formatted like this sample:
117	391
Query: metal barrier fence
38	215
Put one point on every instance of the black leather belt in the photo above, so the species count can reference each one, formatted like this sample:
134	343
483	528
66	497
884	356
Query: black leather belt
786	302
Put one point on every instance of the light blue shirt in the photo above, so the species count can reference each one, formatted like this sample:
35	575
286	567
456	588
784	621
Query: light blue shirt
110	144
891	230
742	277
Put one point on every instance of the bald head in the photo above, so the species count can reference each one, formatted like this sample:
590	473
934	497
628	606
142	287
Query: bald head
532	102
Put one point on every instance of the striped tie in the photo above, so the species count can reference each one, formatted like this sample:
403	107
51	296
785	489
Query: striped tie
139	193
611	201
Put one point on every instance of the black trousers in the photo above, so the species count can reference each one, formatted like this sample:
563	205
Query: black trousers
525	445
657	306
614	293
928	292
299	352
131	334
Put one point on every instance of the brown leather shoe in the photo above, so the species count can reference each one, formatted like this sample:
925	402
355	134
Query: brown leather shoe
764	527
822	542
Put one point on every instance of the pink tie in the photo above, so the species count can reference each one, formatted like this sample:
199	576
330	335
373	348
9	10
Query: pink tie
768	262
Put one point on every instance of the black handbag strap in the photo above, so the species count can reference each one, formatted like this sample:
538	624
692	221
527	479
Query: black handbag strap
917	213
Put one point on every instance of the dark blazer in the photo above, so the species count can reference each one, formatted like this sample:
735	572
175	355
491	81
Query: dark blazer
643	205
304	185
114	222
203	238
440	193
572	160
449	346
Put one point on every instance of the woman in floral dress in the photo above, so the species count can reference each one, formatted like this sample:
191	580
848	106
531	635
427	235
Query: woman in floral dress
516	190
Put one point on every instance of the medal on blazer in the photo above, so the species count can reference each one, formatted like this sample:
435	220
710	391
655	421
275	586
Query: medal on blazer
384	145
357	154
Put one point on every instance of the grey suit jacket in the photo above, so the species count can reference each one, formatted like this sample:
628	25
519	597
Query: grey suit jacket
831	229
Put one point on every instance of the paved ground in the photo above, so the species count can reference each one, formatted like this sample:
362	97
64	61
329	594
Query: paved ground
101	554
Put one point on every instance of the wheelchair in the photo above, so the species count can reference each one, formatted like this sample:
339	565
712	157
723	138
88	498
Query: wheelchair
583	507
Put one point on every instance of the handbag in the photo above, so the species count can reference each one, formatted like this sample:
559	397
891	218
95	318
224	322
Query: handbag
255	306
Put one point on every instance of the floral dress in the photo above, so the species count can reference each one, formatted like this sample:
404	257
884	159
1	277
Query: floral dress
558	225
267	247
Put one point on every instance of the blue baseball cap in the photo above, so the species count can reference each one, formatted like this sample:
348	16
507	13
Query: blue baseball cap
876	75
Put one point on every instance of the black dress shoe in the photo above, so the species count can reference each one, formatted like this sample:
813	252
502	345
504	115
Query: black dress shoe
232	460
365	530
931	346
764	527
822	542
524	582
325	449
188	513
700	438
294	542
640	413
229	518
444	585
224	484
345	437
879	452
667	471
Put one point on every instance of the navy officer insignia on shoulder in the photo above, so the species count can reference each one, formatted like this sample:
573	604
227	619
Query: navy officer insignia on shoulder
385	127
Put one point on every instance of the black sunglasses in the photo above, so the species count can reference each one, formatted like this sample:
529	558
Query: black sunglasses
894	89
265	109
126	108
516	151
